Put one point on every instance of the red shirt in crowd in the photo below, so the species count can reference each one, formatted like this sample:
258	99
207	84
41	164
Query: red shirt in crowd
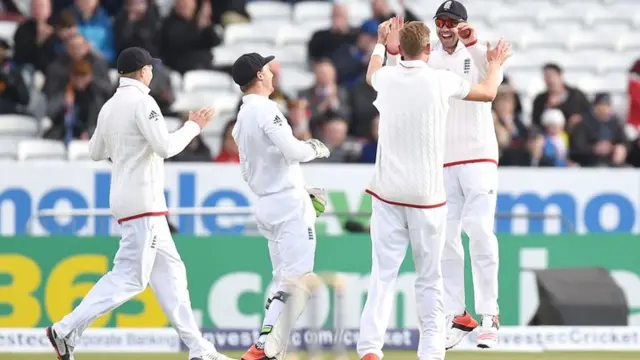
226	157
634	95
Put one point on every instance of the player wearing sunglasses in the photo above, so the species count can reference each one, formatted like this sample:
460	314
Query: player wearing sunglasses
471	180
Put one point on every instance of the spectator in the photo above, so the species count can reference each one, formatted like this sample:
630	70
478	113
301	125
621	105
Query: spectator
138	24
361	97
65	27
532	154
324	43
325	95
14	94
95	25
599	139
503	136
351	61
161	88
227	12
229	149
382	11
298	116
370	148
555	139
504	106
75	112
507	81
188	36
196	151
334	134
570	100
634	95
76	49
35	42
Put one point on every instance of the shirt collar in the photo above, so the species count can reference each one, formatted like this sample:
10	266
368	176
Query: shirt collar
459	47
410	64
253	97
127	82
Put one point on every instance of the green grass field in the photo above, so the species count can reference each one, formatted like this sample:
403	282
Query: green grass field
489	355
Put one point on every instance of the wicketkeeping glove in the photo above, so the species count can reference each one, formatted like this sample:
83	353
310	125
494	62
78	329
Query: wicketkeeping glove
319	199
321	149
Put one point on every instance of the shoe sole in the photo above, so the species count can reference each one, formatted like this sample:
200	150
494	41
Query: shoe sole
463	334
53	342
487	344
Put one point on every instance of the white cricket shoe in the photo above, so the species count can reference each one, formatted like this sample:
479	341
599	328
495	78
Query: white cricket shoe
458	327
213	356
488	332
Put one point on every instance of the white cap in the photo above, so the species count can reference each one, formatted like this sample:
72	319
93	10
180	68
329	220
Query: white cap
553	117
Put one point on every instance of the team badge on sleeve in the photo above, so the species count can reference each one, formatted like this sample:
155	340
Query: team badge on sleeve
153	115
277	121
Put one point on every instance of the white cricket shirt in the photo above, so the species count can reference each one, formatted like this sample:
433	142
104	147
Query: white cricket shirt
270	155
413	100
470	136
131	131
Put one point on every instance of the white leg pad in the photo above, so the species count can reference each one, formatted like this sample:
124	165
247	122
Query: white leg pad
299	292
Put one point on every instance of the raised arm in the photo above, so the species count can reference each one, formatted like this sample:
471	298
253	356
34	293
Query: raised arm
487	89
154	129
377	57
393	42
477	49
295	151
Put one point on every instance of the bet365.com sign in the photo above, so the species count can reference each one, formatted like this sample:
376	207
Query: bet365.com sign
580	200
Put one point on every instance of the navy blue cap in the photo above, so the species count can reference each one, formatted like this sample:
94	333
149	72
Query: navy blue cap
133	59
452	9
247	66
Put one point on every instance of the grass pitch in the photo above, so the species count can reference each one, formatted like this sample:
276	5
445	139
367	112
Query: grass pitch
405	355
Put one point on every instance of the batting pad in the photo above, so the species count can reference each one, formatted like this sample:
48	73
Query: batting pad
299	293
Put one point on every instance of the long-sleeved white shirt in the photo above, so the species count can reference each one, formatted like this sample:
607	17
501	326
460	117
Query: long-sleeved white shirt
131	131
270	155
470	135
413	100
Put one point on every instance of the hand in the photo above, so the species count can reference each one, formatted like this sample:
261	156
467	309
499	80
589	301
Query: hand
603	147
318	199
466	33
322	151
552	101
84	136
383	32
204	16
393	38
202	116
499	54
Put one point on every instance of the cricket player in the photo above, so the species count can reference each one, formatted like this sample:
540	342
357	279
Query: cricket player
286	211
471	181
409	197
132	133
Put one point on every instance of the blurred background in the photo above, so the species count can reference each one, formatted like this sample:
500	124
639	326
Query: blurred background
566	119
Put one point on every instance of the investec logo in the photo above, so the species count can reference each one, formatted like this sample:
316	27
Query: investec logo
532	259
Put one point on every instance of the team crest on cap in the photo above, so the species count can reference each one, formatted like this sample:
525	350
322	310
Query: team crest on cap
447	5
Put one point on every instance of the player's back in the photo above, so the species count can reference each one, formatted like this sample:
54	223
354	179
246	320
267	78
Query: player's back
263	166
413	101
137	176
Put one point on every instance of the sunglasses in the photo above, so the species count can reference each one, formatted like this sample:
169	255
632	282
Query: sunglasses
448	23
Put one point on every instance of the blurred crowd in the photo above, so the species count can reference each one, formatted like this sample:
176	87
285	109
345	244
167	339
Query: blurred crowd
75	43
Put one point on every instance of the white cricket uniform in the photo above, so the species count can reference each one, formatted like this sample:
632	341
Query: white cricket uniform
409	205
270	158
131	131
471	180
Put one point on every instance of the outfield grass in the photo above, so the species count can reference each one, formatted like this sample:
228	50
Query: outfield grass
488	355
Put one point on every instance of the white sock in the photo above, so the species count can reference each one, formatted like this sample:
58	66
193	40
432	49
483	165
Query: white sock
270	318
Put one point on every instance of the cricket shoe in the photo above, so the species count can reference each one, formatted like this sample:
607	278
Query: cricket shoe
370	356
255	353
64	351
488	332
213	356
458	327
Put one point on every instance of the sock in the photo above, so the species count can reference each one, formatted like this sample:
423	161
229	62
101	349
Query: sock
270	318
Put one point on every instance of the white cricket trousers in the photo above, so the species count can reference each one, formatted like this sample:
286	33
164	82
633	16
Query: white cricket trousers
287	220
393	228
147	255
471	198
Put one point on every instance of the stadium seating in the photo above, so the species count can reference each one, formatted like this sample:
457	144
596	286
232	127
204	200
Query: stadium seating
78	150
18	125
40	149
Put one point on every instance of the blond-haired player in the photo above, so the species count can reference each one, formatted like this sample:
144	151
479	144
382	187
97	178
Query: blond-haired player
471	181
409	199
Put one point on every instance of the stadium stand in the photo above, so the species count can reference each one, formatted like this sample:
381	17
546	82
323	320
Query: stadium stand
593	42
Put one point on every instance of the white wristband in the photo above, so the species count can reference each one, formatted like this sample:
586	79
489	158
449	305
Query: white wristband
379	50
